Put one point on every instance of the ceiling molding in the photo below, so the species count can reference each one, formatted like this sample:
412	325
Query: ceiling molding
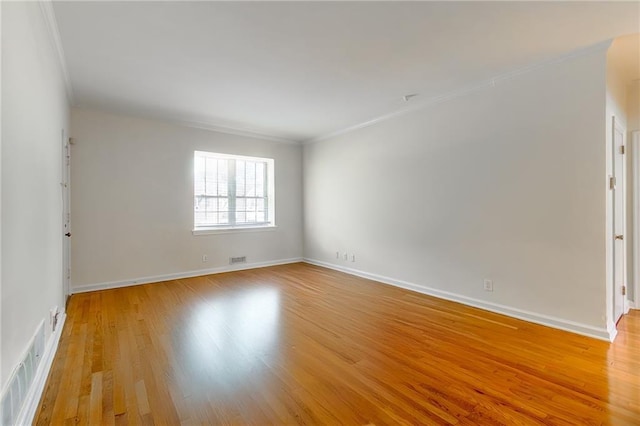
202	125
490	83
230	130
46	6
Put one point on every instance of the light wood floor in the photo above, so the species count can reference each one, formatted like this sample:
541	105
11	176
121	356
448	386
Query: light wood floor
299	344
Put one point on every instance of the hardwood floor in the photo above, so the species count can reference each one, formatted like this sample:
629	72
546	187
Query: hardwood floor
300	344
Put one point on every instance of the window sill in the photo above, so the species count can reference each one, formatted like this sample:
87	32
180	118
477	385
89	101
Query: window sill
231	230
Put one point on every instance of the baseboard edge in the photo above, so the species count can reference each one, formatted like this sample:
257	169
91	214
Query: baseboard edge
574	327
180	275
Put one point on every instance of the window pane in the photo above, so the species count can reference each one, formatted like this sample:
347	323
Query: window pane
223	218
260	179
223	177
251	179
260	217
223	204
198	170
211	205
240	181
240	205
241	217
200	217
210	177
251	217
260	205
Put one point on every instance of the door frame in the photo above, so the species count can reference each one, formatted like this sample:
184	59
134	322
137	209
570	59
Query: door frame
619	191
635	165
65	185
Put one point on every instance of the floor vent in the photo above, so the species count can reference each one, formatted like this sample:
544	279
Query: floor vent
234	260
13	397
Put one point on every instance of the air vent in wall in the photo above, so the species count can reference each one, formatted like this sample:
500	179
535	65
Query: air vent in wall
234	260
13	397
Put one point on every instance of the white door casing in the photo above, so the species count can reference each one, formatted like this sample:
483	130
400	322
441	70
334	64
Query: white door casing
66	216
619	246
635	151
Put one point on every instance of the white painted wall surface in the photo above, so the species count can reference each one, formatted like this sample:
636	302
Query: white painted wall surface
633	106
132	200
34	111
2	380
506	183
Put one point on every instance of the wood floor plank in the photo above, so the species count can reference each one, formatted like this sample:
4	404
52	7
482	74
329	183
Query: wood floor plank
300	344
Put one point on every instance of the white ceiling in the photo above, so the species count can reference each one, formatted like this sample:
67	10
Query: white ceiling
301	70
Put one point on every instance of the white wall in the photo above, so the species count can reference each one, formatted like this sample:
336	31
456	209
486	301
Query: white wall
506	183
2	380
633	106
34	111
132	200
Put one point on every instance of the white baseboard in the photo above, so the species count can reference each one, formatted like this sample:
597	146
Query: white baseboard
36	389
612	330
562	324
180	275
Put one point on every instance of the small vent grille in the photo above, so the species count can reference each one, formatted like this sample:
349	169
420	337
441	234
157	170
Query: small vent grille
13	397
234	260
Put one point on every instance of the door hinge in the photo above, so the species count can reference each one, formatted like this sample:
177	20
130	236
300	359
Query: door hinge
622	149
612	182
624	290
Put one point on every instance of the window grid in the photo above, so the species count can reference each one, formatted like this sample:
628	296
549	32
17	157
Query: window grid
230	192
251	197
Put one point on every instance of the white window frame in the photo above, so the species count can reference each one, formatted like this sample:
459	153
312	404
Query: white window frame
270	224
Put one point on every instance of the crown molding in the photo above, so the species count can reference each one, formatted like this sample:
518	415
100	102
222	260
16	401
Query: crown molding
202	125
464	91
46	7
237	131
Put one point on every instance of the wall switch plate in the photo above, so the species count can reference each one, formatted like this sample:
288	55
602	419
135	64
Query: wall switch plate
353	257
205	258
337	255
488	285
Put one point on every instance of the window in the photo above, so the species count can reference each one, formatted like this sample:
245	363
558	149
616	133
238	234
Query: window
231	191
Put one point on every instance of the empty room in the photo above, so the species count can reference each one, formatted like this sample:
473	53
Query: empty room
320	213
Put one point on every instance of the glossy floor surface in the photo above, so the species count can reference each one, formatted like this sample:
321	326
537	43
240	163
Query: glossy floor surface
299	344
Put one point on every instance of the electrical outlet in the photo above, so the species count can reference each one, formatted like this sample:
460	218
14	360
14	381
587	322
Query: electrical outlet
488	285
53	318
205	258
337	255
353	257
